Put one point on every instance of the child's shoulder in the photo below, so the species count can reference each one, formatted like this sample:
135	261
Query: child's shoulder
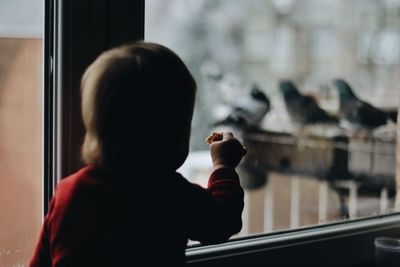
76	181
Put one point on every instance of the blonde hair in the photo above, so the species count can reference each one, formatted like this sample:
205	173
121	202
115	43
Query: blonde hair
122	74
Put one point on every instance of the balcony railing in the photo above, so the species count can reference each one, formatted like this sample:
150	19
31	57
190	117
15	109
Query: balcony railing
293	181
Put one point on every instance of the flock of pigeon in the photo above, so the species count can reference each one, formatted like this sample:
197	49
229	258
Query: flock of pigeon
304	110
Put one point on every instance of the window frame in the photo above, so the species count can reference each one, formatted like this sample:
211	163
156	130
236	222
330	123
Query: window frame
48	103
80	42
75	43
346	243
72	41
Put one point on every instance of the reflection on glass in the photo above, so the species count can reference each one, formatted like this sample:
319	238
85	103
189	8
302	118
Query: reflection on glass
310	86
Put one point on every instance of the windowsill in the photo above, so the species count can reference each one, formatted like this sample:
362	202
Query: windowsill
357	235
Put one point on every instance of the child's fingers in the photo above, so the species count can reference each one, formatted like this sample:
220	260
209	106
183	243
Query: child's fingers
227	135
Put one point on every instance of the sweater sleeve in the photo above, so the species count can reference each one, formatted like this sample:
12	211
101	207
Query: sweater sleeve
215	212
41	256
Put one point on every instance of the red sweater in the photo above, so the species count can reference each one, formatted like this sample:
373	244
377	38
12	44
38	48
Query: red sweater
93	221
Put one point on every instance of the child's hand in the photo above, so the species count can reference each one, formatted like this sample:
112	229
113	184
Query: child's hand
229	151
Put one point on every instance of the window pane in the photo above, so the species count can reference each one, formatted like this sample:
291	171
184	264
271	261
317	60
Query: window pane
20	129
304	167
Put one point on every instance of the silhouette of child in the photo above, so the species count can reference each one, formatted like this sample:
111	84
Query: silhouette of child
128	206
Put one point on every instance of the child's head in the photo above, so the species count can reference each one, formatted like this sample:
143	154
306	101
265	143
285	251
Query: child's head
137	102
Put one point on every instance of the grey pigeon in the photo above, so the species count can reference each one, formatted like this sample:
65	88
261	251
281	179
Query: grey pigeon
356	111
249	111
303	109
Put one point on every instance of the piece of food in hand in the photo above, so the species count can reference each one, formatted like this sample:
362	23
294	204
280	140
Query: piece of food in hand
214	137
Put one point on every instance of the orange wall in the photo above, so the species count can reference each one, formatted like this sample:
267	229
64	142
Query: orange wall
20	148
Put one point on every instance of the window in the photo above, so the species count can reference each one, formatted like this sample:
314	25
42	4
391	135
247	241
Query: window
21	124
259	48
295	174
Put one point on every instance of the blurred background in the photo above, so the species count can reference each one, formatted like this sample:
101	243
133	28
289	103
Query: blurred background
21	128
310	86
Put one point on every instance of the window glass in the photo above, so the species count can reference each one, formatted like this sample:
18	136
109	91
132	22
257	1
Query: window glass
20	129
320	156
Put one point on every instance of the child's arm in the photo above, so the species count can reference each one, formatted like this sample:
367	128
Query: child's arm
216	211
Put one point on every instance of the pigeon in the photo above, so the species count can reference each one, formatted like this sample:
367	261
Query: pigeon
249	111
359	113
303	109
392	115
